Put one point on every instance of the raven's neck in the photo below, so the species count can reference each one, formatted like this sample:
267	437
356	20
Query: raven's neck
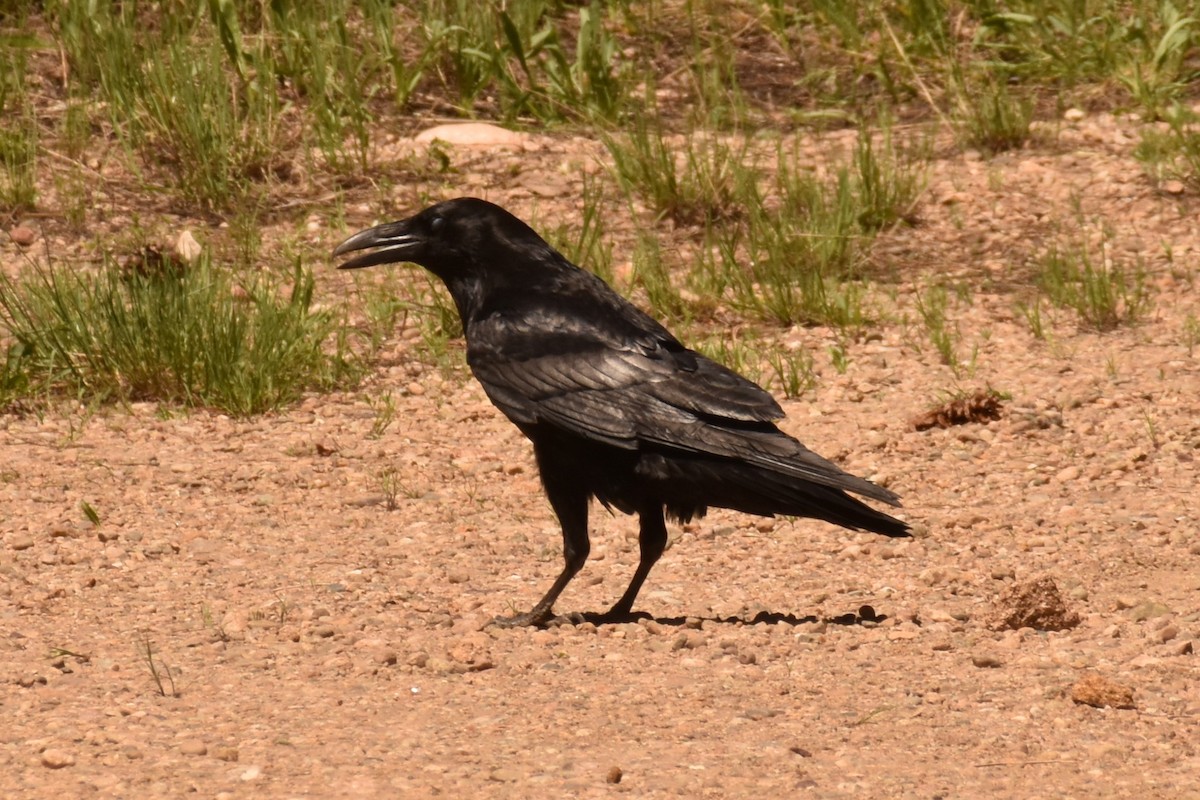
480	289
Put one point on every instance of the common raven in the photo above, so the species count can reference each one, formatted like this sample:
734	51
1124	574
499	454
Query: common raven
616	407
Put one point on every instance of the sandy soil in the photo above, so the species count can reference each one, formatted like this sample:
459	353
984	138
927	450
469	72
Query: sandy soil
251	619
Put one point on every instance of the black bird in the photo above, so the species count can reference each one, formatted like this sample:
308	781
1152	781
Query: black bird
615	406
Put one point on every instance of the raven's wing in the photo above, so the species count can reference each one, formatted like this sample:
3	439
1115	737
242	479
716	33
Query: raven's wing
636	391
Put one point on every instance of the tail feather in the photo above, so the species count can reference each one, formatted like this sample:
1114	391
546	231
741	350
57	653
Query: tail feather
754	490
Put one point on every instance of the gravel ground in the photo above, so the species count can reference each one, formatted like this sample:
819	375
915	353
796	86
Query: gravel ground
254	616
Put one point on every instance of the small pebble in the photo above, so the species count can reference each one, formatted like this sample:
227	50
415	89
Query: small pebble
1067	474
54	758
186	248
986	662
1167	633
614	775
193	747
225	753
23	235
385	656
1148	610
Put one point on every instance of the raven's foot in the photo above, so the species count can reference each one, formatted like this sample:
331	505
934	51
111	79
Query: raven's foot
615	616
537	618
544	618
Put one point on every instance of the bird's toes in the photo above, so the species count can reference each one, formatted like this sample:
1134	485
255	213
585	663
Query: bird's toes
615	616
527	619
572	618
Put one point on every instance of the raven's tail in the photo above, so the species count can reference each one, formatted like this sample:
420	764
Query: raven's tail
754	490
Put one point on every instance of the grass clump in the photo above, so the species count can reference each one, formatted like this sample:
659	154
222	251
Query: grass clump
1141	46
932	305
1104	292
18	166
650	272
587	244
699	180
779	238
1155	70
793	264
18	136
521	52
800	253
993	119
182	335
1171	151
208	130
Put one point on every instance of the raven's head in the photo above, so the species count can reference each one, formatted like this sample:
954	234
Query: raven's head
450	239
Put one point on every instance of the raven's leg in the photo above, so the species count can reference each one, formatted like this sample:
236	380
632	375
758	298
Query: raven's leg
653	541
570	503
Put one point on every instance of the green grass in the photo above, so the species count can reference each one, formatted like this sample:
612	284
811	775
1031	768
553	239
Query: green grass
1155	70
992	118
1031	312
18	136
779	240
788	372
932	304
798	259
888	179
523	54
652	275
741	353
18	166
1140	45
792	372
206	90
250	114
171	333
1171	150
587	244
15	384
692	180
1103	290
191	123
1191	333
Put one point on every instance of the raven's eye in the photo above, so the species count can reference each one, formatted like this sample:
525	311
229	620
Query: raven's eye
436	224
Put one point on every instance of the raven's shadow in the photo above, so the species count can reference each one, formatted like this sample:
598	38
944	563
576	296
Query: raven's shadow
863	614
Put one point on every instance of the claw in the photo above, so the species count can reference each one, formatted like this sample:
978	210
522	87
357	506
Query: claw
536	618
616	616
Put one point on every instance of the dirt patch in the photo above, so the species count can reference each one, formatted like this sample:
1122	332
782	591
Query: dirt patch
1036	604
296	605
979	406
1100	692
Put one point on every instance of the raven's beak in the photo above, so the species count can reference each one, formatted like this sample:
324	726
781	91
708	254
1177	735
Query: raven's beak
394	239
